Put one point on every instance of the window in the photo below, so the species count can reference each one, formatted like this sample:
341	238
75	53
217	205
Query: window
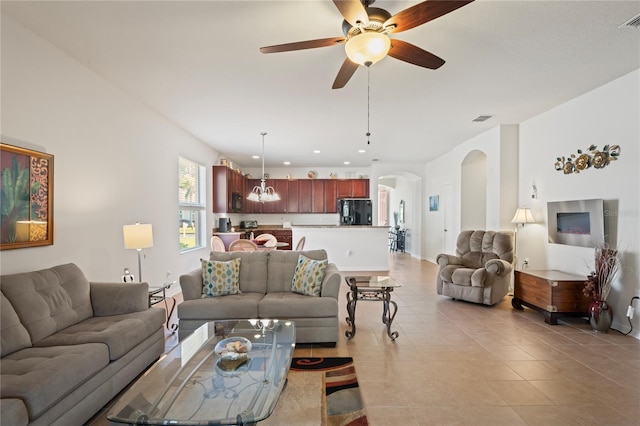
192	204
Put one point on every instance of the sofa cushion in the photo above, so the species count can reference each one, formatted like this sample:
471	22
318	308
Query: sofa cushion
43	376
253	270
282	265
235	306
13	335
120	333
476	259
220	278
14	412
49	300
308	276
293	305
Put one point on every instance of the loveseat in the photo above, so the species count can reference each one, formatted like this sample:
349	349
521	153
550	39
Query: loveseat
265	285
69	345
480	271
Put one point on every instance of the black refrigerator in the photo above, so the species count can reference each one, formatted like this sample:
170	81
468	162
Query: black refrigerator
354	211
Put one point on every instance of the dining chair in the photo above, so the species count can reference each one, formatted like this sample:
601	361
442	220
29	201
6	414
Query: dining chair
217	244
271	239
300	245
243	245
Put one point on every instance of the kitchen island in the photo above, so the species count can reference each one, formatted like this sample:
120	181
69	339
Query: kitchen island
351	248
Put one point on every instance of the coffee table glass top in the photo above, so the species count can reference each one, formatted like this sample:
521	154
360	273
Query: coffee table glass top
374	281
193	384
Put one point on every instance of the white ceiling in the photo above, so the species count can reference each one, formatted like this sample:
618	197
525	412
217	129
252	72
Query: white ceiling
198	64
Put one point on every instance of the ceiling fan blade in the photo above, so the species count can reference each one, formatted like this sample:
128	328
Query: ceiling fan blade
423	12
346	71
353	11
301	45
407	52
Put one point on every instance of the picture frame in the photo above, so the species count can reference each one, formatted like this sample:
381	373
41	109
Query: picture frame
434	201
26	198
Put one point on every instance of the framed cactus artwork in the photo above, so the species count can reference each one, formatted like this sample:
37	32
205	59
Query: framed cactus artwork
26	198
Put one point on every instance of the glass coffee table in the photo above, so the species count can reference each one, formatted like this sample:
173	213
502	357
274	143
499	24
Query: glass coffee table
225	373
376	288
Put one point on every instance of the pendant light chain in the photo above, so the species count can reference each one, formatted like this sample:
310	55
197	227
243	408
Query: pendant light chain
368	104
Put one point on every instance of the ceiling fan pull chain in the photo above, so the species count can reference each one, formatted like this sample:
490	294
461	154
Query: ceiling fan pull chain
368	104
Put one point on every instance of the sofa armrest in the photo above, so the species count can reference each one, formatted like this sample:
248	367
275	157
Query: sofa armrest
331	282
191	284
117	298
448	259
498	267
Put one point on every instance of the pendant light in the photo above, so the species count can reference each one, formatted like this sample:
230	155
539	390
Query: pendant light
263	193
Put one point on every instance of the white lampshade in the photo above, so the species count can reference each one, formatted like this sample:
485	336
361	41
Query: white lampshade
367	48
523	215
138	236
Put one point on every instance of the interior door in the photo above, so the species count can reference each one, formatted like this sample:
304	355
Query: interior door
449	232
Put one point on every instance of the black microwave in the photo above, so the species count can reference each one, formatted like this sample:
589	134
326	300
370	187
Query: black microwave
237	202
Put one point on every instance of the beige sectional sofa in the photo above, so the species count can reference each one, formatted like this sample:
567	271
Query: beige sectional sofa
265	283
69	346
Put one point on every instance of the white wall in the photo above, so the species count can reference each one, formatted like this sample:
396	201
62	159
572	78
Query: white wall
473	214
448	168
606	115
116	162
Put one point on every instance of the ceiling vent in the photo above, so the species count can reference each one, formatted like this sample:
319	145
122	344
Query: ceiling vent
481	118
632	23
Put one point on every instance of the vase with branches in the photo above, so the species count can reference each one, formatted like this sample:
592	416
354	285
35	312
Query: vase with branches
598	286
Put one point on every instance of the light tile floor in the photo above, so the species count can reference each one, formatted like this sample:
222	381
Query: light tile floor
458	363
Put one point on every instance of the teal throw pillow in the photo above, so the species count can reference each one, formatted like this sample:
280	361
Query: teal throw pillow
308	277
220	278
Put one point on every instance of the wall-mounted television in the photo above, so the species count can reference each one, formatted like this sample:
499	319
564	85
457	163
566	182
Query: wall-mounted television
576	223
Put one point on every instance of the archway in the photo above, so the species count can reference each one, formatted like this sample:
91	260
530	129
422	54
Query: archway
396	188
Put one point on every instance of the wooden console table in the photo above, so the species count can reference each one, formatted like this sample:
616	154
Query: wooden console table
554	293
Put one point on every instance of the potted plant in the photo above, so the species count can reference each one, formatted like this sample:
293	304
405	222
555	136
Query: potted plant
598	286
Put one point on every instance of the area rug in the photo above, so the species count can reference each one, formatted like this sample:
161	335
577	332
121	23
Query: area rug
320	391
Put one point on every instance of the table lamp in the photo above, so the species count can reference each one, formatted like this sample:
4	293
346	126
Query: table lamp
138	237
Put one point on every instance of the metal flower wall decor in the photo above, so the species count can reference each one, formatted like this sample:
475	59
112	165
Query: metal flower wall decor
598	159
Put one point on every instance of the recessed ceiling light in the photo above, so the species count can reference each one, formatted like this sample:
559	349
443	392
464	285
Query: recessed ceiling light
286	163
361	151
316	151
346	162
255	156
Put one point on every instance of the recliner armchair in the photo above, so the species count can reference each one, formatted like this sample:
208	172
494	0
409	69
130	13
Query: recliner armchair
480	271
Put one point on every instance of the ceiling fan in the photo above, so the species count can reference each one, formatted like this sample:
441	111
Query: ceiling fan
367	30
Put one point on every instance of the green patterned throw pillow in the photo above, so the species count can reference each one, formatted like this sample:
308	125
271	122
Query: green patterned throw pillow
308	276
220	278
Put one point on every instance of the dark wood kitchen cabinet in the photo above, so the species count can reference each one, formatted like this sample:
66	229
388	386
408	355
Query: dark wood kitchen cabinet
293	190
317	196
331	196
353	188
227	182
304	196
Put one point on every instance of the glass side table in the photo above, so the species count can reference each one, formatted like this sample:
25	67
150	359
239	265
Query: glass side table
159	295
371	288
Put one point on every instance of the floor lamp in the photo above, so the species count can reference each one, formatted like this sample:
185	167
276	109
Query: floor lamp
523	215
138	237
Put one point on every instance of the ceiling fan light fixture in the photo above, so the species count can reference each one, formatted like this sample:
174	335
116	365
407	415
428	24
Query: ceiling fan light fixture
367	48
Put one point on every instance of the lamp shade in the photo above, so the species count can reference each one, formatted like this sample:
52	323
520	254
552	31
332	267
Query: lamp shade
367	48
523	215
138	236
